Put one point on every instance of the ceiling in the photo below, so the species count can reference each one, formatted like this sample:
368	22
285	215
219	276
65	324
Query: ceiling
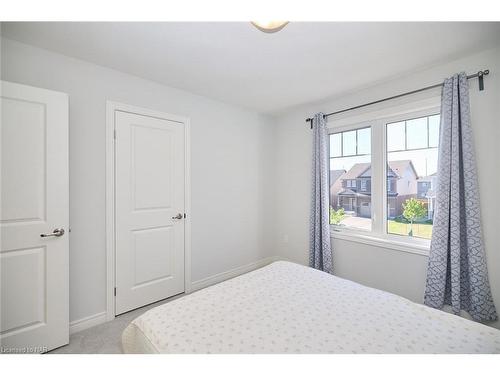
236	63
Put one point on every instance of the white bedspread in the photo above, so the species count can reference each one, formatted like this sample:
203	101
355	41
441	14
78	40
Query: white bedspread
289	308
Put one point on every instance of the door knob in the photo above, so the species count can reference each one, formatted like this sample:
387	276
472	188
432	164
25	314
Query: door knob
55	233
177	217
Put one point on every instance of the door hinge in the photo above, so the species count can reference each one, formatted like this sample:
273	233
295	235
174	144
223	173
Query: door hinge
115	291
114	134
185	215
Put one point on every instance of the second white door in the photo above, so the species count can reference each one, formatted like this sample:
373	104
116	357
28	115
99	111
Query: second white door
149	209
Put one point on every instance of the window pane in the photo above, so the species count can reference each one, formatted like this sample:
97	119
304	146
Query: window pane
335	145
416	133
396	136
350	181
434	130
411	181
349	143
364	141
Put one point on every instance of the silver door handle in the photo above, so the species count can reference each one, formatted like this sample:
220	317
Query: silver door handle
178	217
55	233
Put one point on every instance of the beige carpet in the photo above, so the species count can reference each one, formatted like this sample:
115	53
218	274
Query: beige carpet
104	338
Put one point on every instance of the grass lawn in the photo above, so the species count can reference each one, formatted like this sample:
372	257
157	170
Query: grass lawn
419	230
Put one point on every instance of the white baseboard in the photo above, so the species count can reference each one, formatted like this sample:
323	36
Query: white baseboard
96	319
87	322
211	280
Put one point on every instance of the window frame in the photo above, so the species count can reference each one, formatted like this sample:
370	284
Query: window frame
377	121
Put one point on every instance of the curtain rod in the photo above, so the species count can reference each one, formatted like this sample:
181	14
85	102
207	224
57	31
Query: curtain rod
478	75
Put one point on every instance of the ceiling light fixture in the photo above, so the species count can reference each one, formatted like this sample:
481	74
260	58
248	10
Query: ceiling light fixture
269	26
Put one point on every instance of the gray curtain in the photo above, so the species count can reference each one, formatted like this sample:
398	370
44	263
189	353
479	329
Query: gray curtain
457	274
320	252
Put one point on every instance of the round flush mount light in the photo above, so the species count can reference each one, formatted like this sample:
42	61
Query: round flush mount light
269	26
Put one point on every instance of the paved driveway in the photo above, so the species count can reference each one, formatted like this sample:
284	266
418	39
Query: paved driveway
358	222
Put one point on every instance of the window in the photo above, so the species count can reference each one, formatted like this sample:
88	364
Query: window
412	165
364	184
397	206
350	162
391	185
351	183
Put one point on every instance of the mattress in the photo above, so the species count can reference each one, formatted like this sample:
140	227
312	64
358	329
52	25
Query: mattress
288	308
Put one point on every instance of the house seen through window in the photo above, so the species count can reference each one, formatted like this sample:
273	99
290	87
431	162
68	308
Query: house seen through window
412	153
350	185
411	166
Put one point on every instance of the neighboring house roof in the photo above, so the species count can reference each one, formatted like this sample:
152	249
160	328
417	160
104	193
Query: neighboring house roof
352	193
347	192
396	167
336	181
356	170
399	166
335	175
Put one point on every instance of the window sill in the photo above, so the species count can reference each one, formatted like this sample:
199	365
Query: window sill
419	247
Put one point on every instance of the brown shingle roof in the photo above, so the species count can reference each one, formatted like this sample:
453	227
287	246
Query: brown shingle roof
399	166
364	170
336	181
335	174
355	171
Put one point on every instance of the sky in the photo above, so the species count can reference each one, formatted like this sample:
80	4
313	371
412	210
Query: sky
421	133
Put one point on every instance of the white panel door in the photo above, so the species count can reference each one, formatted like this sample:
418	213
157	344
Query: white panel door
149	211
34	202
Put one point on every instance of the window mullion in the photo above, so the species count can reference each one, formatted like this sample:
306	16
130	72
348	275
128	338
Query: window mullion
378	181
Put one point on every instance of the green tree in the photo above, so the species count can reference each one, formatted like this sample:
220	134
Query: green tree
413	210
336	216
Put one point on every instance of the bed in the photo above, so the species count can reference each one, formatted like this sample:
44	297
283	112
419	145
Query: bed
288	308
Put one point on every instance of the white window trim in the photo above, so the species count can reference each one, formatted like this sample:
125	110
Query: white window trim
414	247
377	120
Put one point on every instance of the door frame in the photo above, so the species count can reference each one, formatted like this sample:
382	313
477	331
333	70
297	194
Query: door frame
111	107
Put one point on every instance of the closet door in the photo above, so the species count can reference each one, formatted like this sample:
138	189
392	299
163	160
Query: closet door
149	217
34	219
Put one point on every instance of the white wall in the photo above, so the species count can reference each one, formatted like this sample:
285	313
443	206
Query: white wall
229	159
250	179
395	271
